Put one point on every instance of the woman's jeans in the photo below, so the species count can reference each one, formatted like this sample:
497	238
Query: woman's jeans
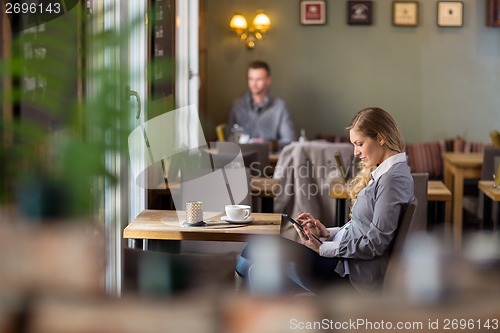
273	264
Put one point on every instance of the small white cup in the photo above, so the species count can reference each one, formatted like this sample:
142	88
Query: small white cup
237	212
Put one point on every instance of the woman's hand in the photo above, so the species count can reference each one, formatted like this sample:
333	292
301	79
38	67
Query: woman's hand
315	226
307	239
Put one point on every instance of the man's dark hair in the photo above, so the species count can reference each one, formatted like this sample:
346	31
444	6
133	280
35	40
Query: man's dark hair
259	64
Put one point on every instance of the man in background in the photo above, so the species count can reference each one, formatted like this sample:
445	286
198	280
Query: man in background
257	116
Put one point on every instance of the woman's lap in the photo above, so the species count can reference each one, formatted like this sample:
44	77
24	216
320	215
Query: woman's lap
298	263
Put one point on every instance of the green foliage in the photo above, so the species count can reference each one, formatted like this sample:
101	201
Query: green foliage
73	84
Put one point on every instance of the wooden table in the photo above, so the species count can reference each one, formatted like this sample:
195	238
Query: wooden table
436	192
490	194
457	168
265	189
165	225
438	199
261	187
438	196
268	188
273	158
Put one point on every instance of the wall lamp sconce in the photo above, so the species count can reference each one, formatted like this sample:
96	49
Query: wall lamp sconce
261	23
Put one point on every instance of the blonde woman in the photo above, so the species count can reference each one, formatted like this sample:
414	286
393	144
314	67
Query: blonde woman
380	192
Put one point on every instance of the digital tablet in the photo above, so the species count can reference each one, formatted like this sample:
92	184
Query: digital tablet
291	220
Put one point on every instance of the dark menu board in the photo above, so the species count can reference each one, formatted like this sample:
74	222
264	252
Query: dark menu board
162	47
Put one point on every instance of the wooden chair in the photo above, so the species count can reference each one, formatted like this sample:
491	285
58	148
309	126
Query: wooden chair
488	169
495	138
258	151
474	202
220	130
259	167
491	154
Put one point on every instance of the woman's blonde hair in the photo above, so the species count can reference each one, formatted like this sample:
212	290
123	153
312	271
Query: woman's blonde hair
378	124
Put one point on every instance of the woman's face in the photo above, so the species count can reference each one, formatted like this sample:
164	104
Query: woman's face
370	151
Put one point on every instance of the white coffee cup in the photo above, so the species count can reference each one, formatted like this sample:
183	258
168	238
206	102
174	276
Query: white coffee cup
237	212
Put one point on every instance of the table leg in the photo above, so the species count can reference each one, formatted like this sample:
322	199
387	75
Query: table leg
448	181
267	205
431	215
458	193
440	211
340	207
487	216
135	243
495	223
435	213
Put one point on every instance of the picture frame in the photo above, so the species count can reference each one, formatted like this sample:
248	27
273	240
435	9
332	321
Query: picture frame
450	13
493	13
359	12
405	13
313	12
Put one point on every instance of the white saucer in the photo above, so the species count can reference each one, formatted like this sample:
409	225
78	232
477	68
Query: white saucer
245	221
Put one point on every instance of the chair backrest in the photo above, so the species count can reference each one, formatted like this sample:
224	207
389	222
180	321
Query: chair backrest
220	130
257	166
215	188
420	184
497	170
488	168
406	226
221	158
495	138
206	174
262	149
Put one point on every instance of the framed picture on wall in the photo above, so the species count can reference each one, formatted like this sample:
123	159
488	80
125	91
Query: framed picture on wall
359	12
312	12
493	13
450	13
405	13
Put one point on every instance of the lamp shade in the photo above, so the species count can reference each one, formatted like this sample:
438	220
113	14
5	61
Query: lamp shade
238	22
261	22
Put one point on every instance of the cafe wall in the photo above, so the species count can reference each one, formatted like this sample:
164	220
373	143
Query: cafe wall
438	82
